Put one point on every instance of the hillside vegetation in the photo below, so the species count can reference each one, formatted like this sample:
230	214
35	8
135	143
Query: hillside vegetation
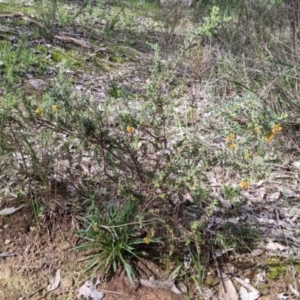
167	135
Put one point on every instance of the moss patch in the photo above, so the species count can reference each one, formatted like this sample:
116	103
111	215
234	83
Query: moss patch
11	8
277	268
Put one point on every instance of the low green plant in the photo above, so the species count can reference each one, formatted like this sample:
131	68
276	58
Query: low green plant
199	271
114	239
150	143
16	60
277	268
37	209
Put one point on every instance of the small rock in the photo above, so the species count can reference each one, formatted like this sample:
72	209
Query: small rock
6	242
36	87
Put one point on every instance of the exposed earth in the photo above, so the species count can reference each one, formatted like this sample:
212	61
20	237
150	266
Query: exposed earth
36	253
39	252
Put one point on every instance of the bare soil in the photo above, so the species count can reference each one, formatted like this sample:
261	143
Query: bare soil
38	252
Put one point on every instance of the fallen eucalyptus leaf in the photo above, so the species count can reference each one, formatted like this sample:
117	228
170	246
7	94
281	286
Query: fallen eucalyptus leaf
294	291
9	210
167	284
248	296
222	252
296	164
244	294
6	254
274	246
261	277
288	193
89	291
282	296
175	273
182	287
228	291
175	290
54	281
274	197
246	284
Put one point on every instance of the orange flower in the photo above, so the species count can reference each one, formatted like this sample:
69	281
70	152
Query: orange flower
276	129
147	240
230	137
232	146
244	184
270	137
257	129
248	155
130	129
39	111
55	108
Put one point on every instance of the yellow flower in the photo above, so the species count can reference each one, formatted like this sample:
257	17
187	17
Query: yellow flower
232	146
130	129
276	129
270	137
55	108
39	111
133	198
257	129
244	184
230	137
248	155
147	240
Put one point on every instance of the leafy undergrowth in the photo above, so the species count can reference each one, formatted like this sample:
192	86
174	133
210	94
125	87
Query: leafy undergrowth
167	134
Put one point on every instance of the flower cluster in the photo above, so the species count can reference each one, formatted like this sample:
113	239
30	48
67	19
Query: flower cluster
276	129
230	139
244	184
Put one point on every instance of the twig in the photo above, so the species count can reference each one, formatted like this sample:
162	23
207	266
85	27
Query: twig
219	271
62	38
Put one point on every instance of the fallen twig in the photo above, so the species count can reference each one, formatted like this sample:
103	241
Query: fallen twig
61	38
